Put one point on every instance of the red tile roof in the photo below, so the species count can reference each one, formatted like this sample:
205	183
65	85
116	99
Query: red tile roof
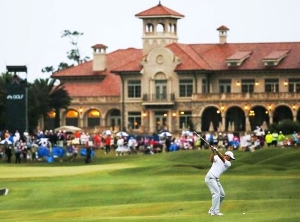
239	55
99	46
277	54
223	28
212	57
215	54
109	86
190	60
159	10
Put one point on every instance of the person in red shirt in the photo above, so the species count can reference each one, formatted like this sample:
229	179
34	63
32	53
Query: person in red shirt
107	143
97	140
77	134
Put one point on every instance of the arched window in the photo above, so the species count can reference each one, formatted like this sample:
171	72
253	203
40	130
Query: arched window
93	118
160	28
149	27
172	28
72	118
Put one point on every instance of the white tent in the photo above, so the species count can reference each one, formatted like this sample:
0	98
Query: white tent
68	129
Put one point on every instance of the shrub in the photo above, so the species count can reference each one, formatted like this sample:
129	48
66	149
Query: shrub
286	126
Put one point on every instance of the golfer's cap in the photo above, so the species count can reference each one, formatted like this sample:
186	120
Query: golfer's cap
229	153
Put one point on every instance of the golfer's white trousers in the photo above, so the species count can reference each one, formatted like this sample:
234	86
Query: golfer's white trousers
216	190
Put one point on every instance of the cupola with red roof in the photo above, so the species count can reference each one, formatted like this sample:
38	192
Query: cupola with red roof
100	57
223	34
159	27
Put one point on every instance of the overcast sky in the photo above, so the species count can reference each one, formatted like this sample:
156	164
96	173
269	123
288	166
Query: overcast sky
30	30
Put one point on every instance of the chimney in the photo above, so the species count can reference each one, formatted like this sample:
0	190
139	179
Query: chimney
223	34
100	57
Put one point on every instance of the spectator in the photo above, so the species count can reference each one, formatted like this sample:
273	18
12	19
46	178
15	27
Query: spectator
255	144
88	157
6	134
281	139
83	139
18	153
8	153
274	138
107	143
269	139
295	138
168	143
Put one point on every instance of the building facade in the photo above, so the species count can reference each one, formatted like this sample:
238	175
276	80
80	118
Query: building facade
176	86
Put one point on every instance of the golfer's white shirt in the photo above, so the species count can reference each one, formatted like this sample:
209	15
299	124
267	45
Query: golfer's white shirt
218	167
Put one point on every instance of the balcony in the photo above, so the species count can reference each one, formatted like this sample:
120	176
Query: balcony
158	99
250	97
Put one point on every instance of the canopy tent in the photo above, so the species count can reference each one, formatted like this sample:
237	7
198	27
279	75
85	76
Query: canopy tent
68	129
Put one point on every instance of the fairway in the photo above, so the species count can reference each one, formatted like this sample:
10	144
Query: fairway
260	186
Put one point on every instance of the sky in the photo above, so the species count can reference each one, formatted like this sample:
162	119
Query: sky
30	30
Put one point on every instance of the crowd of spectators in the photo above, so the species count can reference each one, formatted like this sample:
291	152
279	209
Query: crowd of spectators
25	147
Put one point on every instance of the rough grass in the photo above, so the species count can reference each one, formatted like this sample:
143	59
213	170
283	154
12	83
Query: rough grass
162	187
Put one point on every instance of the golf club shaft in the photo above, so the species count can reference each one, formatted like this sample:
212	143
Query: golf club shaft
202	138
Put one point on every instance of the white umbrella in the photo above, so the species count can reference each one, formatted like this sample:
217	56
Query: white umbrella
165	134
122	134
106	132
6	142
187	133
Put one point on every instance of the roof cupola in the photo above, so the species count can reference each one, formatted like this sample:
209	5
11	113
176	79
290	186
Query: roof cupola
159	27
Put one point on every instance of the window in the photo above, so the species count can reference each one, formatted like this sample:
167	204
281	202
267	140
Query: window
204	86
271	85
72	118
224	85
185	87
294	85
248	85
93	118
149	28
185	119
115	118
134	120
160	28
160	89
134	89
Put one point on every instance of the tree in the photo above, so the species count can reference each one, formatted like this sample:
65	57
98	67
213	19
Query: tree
58	97
73	55
46	96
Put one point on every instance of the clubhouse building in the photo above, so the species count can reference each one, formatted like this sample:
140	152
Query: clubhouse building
175	86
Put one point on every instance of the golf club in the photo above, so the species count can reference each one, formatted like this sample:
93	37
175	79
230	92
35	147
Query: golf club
215	149
202	138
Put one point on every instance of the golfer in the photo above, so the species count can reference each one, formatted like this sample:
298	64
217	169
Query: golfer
220	163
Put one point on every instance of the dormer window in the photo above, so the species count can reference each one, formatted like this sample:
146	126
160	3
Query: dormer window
274	58
238	58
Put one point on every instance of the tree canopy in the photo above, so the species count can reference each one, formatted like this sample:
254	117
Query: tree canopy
74	55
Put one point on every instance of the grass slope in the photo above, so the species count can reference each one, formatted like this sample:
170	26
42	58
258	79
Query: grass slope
162	187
